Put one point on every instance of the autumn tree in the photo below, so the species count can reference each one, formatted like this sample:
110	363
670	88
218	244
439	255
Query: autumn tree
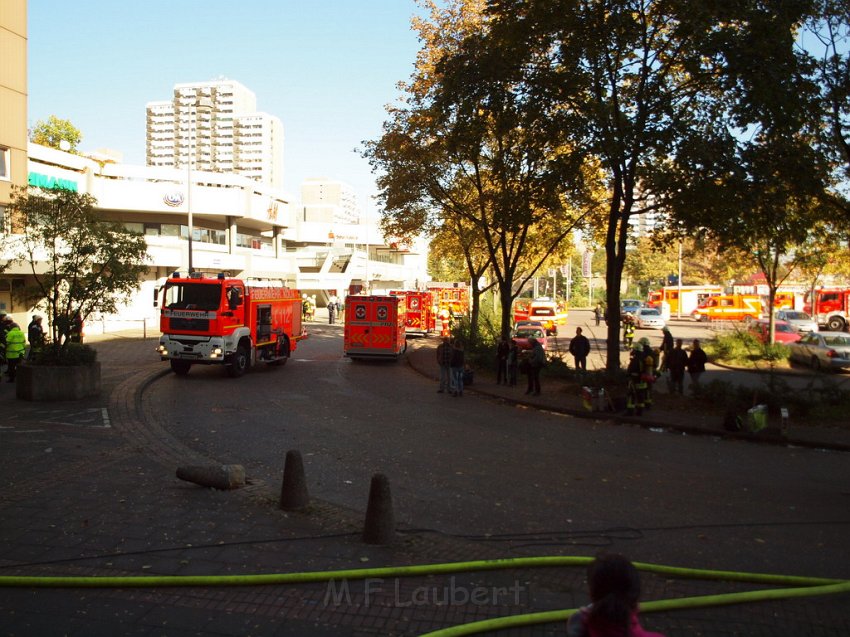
54	131
465	146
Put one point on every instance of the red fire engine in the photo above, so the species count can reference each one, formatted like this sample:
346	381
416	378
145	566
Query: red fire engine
374	327
419	311
831	307
223	321
451	296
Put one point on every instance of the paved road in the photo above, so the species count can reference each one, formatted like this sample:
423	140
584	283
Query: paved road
472	466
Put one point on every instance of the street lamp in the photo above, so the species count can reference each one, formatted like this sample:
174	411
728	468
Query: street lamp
201	103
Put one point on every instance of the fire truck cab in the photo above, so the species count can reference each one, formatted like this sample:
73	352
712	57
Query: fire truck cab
226	321
831	307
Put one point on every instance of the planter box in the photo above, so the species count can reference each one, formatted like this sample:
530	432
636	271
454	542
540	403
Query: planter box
57	382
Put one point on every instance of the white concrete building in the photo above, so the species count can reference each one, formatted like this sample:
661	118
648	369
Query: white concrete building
217	125
240	226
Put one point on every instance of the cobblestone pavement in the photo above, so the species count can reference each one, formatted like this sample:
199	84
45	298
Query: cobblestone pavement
89	489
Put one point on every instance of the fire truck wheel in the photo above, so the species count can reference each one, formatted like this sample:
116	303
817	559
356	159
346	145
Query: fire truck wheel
181	368
238	362
835	324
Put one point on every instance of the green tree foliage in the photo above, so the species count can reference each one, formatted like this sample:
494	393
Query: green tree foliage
466	147
80	263
54	131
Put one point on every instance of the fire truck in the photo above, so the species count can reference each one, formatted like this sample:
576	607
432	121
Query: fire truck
374	326
691	297
543	309
419	311
225	321
451	296
831	307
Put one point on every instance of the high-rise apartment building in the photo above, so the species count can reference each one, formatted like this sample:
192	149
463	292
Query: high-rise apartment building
328	200
217	125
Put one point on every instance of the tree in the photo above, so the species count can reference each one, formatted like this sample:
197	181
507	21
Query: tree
54	131
80	263
466	147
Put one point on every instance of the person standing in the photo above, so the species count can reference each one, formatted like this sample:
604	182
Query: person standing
16	344
444	360
696	364
331	311
666	347
677	363
457	367
597	313
580	348
35	336
513	363
502	351
536	361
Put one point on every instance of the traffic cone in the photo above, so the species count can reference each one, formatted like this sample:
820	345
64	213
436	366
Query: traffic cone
293	492
380	523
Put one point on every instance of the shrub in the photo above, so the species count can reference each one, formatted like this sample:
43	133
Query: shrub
69	354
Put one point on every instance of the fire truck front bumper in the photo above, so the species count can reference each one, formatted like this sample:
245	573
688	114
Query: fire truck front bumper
204	350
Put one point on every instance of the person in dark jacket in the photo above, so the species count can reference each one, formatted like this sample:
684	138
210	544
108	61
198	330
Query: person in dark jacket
444	360
677	363
696	364
502	361
35	335
457	367
580	348
536	361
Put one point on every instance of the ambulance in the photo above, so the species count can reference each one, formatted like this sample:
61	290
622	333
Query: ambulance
374	326
730	307
682	298
419	310
544	310
451	296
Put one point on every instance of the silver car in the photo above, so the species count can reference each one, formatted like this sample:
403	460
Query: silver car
649	318
800	321
822	350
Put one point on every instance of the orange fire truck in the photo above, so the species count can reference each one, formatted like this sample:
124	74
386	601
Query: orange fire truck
419	311
224	321
374	326
831	307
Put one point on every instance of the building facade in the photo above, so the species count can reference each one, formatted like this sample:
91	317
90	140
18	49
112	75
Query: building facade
239	226
214	126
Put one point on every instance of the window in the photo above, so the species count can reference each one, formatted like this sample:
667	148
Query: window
5	167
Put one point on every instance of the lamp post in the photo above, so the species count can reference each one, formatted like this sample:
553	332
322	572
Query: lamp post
201	103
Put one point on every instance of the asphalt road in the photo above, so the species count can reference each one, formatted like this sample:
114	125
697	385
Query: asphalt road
550	483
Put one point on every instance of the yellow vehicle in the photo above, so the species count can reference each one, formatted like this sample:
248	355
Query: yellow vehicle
691	297
548	312
730	307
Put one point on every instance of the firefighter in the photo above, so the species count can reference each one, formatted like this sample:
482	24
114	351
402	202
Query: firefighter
636	392
628	331
445	322
649	369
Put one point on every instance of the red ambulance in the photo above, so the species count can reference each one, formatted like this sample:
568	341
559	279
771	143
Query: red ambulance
374	326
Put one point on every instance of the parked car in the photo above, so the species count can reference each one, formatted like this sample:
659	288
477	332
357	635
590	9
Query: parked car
800	321
649	318
529	323
822	350
783	332
629	306
523	333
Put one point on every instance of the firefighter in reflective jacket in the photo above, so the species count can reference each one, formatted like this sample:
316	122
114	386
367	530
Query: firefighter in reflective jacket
636	393
445	319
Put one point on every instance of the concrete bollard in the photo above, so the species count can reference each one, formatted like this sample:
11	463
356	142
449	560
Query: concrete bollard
293	491
380	523
224	477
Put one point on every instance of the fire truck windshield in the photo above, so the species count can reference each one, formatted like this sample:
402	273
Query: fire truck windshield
192	296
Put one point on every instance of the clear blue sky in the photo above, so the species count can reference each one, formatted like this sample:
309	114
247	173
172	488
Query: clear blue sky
326	68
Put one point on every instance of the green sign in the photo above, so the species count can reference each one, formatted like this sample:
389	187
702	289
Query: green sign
47	182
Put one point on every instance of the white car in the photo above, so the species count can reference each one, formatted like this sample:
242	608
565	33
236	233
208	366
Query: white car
800	321
649	318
